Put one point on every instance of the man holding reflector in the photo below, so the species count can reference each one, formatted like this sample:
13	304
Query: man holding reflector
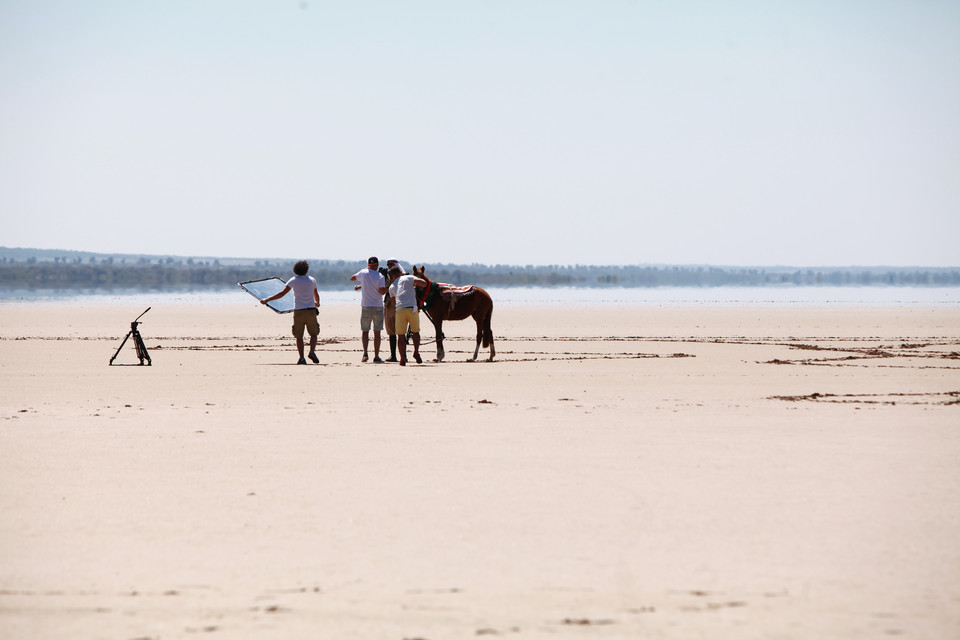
306	300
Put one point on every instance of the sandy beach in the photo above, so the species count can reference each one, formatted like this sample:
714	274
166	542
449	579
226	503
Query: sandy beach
679	473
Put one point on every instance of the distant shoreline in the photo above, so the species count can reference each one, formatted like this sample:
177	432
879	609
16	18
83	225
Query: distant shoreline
27	269
72	256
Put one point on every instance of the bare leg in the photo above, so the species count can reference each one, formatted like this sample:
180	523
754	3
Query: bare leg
402	344
376	344
365	340
416	347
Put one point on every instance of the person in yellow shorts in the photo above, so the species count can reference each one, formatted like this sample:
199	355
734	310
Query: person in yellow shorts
404	292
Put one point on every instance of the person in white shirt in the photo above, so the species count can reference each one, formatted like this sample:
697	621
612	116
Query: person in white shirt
404	291
306	301
372	287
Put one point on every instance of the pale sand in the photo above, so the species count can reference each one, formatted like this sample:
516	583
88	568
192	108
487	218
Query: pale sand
586	484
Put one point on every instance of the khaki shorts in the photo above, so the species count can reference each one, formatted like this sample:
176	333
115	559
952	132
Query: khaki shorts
390	318
305	319
371	316
407	316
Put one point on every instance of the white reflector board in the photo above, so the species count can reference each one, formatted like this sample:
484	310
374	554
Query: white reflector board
267	287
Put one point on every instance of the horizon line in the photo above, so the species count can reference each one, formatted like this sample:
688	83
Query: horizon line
362	261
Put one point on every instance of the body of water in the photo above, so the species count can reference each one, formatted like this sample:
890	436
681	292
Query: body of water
558	296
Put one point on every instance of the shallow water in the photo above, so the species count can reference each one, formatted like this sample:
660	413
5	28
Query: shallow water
551	296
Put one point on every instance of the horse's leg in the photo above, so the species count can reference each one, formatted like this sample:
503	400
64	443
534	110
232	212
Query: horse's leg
488	332
438	323
476	350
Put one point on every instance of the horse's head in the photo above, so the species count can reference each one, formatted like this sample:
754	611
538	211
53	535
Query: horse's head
420	272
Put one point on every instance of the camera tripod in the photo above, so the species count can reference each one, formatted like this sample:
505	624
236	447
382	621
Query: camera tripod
137	342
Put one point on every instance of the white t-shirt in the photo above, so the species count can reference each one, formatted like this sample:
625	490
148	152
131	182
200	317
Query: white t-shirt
303	288
371	281
405	291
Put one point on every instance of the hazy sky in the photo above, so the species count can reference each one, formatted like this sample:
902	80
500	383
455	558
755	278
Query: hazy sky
801	132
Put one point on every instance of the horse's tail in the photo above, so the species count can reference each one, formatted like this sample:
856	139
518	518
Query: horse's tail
487	331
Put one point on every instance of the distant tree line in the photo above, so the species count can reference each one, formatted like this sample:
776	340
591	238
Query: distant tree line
143	274
168	273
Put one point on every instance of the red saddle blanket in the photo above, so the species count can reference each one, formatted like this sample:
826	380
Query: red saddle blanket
447	292
455	291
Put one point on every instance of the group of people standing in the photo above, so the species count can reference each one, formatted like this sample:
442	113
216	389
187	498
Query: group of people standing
388	299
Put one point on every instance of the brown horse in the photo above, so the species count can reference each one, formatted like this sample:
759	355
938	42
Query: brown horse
447	302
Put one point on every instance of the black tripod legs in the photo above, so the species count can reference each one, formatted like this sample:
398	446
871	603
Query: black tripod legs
138	344
141	348
120	347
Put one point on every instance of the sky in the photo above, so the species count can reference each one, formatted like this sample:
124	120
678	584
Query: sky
723	132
